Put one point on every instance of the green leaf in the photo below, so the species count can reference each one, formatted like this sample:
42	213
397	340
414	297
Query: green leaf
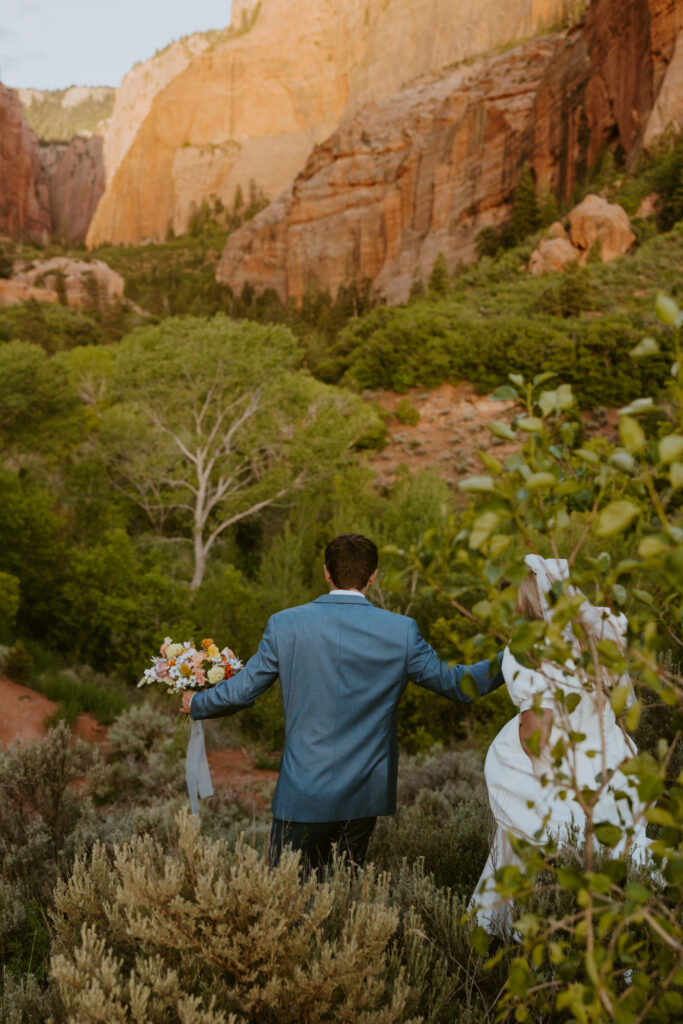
671	447
623	461
616	517
540	481
483	527
469	687
676	475
638	405
540	378
632	717
547	402
618	698
666	309
477	483
607	834
531	424
517	379
504	393
644	348
587	456
631	433
491	463
651	547
499	429
482	610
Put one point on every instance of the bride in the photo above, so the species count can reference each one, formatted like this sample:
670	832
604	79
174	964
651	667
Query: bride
531	796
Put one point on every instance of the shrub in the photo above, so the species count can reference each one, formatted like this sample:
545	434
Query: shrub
205	930
18	663
405	412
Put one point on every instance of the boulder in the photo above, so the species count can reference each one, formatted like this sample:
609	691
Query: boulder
557	230
85	282
552	254
12	292
596	220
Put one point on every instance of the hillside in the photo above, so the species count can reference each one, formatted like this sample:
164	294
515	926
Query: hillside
58	115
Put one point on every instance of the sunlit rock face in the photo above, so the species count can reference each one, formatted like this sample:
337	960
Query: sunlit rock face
399	182
221	110
423	171
24	194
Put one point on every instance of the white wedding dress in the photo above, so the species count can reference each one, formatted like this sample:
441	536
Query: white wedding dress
533	799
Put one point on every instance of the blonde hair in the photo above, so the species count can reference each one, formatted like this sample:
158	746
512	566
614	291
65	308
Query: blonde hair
528	601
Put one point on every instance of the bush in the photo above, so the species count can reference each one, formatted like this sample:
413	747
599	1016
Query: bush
202	932
18	663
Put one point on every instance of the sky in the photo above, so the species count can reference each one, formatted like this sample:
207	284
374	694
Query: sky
51	44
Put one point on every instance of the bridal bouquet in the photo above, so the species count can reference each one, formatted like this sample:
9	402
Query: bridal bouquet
181	666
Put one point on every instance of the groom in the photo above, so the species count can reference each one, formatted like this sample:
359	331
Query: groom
343	665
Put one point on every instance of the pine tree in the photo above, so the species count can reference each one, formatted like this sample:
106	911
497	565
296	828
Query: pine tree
438	279
526	216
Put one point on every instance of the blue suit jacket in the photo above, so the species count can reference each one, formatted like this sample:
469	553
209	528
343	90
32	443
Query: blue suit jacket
343	664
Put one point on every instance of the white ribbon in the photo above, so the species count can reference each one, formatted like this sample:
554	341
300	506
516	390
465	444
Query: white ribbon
197	774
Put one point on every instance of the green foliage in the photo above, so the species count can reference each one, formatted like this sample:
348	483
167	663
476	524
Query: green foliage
438	279
115	603
526	215
53	121
39	410
405	412
77	692
598	939
9	599
18	663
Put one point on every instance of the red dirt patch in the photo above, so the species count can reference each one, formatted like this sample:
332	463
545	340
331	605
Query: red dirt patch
234	772
452	427
23	713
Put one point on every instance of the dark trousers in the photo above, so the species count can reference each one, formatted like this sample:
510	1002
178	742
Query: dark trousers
315	839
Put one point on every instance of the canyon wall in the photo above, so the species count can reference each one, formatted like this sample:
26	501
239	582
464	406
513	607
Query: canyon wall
220	110
24	194
424	171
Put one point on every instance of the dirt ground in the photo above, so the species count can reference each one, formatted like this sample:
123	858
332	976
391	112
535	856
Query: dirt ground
24	717
451	428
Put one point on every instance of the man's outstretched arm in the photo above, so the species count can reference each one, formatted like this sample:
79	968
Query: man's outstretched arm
426	668
231	695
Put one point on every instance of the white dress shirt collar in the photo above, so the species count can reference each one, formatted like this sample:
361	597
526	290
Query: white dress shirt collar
357	593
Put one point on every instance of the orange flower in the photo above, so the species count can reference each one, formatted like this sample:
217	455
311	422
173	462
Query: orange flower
206	643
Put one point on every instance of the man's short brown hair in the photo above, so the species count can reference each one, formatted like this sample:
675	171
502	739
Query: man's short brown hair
351	560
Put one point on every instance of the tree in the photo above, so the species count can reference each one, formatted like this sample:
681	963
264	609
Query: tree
212	422
526	216
594	936
438	279
39	411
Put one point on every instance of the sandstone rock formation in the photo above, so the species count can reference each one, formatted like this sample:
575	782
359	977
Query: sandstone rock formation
551	255
82	282
399	182
24	198
668	110
596	220
12	292
217	111
76	182
602	88
425	170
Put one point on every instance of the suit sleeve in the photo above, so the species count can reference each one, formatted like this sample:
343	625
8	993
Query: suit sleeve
232	695
426	669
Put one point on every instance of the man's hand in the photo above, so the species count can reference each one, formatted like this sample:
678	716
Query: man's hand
534	730
185	702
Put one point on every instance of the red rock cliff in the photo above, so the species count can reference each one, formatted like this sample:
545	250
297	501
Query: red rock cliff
423	171
24	197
